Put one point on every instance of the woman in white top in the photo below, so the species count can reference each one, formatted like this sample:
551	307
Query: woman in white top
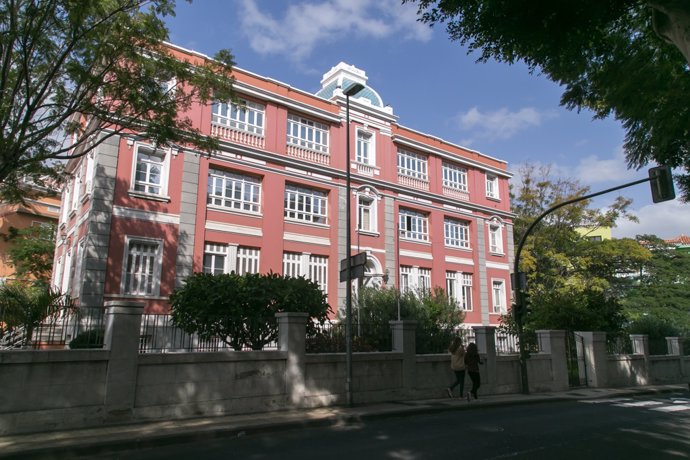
457	365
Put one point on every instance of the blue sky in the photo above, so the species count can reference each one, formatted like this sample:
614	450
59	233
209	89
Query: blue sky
432	85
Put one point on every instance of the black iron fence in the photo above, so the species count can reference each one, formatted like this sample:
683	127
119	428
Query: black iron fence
79	327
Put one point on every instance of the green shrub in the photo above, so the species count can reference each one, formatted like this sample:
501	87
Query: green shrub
90	338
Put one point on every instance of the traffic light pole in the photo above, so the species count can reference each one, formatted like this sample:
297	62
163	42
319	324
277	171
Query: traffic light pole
519	306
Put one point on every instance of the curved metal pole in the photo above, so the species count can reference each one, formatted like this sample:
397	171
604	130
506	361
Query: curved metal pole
519	293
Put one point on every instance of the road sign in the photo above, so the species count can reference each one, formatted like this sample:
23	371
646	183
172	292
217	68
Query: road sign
355	261
356	272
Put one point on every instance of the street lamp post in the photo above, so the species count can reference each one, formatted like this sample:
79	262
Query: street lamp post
349	91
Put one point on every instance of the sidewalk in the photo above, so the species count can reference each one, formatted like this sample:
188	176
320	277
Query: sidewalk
75	442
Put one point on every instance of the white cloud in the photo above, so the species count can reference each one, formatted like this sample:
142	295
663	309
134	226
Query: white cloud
305	25
594	170
500	124
665	220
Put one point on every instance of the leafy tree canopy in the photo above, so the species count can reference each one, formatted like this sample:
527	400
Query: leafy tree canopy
31	251
572	282
626	58
70	69
659	293
240	310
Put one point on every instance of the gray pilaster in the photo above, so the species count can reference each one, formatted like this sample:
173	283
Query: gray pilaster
189	203
342	224
481	271
389	231
97	242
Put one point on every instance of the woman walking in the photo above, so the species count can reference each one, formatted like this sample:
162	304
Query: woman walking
472	362
457	365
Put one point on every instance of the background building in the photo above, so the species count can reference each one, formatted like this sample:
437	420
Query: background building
40	207
136	221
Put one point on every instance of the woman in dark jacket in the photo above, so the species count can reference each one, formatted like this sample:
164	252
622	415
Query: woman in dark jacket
472	362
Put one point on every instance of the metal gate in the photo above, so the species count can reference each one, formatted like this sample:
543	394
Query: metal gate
577	370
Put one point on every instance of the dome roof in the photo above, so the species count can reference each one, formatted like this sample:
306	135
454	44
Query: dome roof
341	77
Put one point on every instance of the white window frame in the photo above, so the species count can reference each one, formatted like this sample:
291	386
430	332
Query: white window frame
76	187
79	264
455	177
459	289
147	185
248	116
456	233
413	165
495	237
424	279
66	273
414	278
313	204
225	186
306	133
405	278
365	152
57	277
311	266
413	225
498	296
370	206
126	284
492	186
238	259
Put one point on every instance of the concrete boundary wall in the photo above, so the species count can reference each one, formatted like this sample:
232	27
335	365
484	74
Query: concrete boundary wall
47	390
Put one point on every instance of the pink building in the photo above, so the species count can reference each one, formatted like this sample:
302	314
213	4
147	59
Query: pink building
136	222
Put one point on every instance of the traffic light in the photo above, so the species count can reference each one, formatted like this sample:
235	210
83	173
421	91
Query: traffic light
661	182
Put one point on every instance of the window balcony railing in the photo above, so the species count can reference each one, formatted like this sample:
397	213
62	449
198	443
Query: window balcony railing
455	193
237	136
365	169
413	182
308	154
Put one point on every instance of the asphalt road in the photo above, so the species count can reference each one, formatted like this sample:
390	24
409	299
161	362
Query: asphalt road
626	428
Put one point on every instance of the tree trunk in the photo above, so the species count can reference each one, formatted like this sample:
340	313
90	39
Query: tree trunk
671	20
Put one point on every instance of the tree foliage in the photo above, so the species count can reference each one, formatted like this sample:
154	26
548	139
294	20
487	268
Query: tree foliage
240	310
70	69
659	293
437	316
31	251
27	305
626	58
572	282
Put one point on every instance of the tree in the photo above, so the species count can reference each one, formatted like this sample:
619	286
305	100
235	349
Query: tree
27	305
240	310
626	58
75	73
31	251
572	282
659	292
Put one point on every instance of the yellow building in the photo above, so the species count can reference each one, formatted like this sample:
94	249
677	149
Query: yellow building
595	233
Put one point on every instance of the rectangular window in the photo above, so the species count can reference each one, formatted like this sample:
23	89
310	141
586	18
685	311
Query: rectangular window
455	177
457	233
405	279
143	267
306	205
306	133
365	148
413	225
234	191
247	260
492	186
499	296
459	289
78	266
366	213
215	256
412	165
424	280
495	239
247	116
312	267
150	170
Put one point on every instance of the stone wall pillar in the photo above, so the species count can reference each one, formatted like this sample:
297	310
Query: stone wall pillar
122	331
553	343
674	345
404	342
485	338
292	334
640	344
595	357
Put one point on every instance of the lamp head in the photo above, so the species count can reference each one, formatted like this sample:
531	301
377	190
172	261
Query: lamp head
353	89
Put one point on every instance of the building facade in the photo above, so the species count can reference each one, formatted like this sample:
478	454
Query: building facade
40	207
136	221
